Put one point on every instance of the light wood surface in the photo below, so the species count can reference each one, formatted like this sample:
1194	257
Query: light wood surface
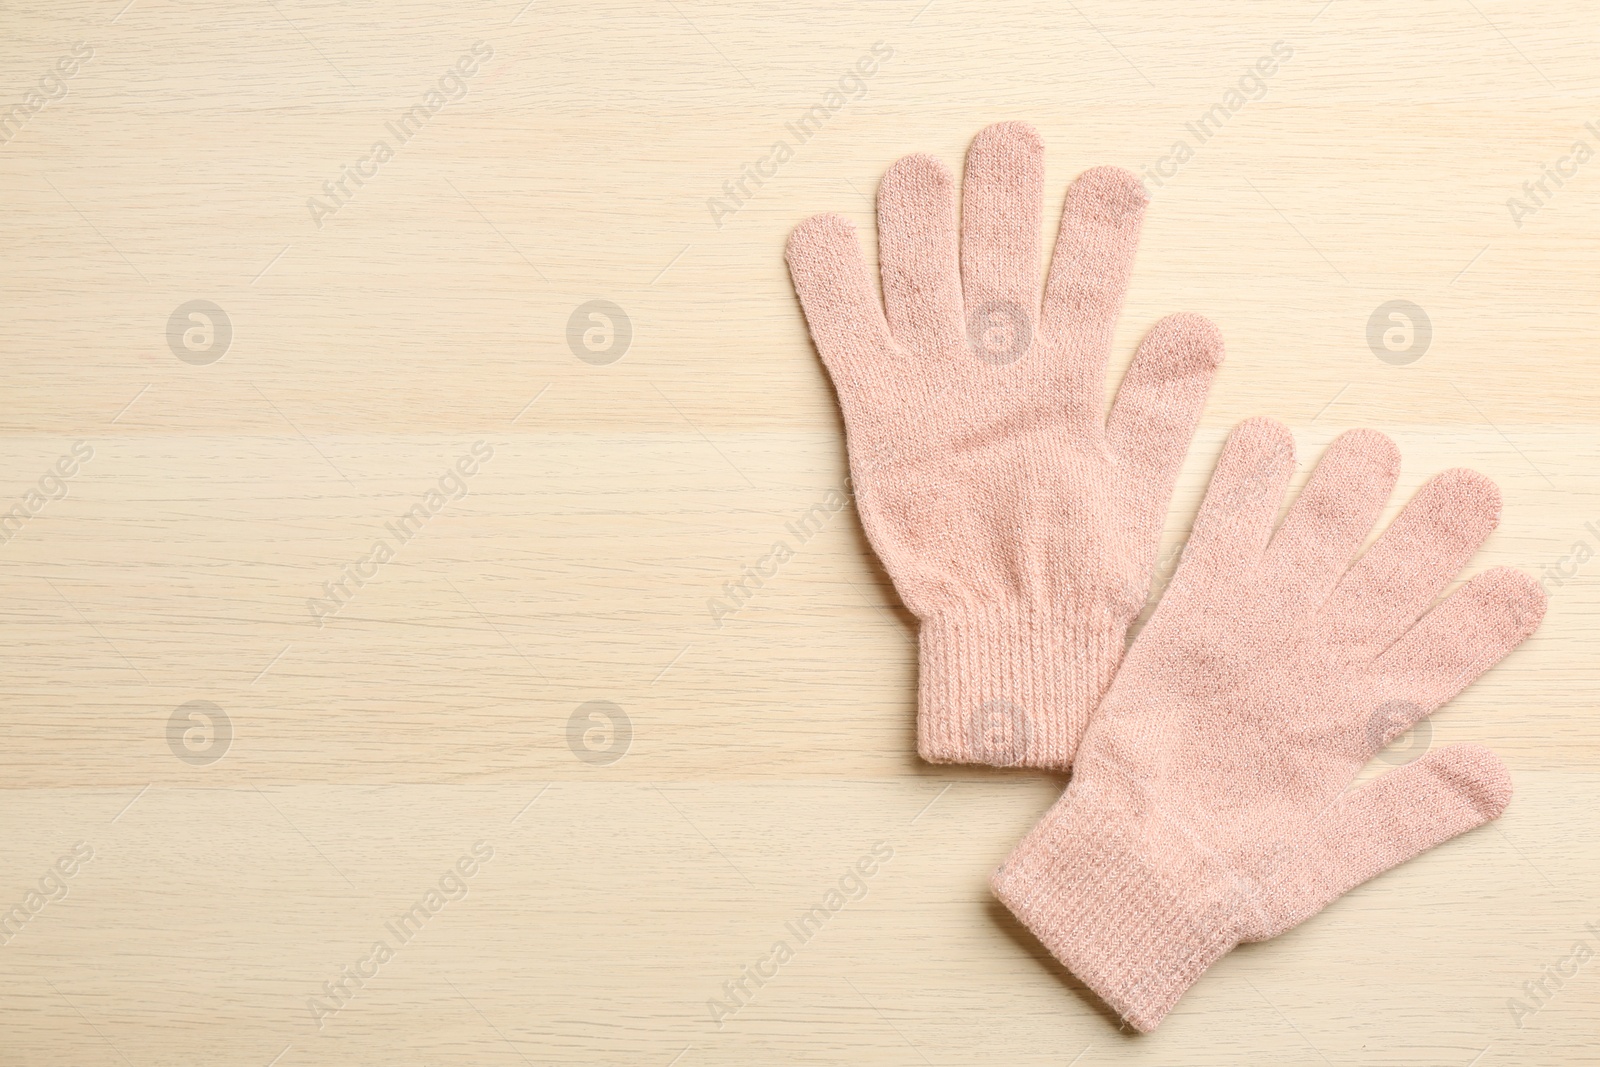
367	753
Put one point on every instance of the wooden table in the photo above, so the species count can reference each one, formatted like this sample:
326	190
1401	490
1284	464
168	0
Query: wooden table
371	599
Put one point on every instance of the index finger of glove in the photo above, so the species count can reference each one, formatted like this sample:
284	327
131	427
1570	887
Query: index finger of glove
1470	631
1386	591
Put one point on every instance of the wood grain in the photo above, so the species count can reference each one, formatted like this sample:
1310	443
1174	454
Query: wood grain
446	706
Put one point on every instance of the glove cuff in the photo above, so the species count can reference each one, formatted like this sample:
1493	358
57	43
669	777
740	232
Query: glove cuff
1122	899
1009	687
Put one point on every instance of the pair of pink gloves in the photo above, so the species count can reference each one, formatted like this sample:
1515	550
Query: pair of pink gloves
1208	803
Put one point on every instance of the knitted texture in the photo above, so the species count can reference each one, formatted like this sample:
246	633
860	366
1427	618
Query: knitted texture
1018	522
1209	801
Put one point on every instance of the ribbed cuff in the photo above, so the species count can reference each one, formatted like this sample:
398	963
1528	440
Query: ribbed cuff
1123	901
1011	688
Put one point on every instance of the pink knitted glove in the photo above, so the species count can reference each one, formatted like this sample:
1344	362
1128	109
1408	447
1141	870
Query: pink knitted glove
1208	804
1018	524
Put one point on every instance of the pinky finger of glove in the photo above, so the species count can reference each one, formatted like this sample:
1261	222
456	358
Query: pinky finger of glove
1383	823
1158	406
841	306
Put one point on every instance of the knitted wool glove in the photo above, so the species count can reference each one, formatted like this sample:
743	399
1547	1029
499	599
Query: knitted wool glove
1018	524
1208	805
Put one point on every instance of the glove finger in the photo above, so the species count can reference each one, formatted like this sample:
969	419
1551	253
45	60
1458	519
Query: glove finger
1380	825
1088	278
1460	639
1387	590
918	254
1241	504
841	309
1002	200
1332	517
1158	407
